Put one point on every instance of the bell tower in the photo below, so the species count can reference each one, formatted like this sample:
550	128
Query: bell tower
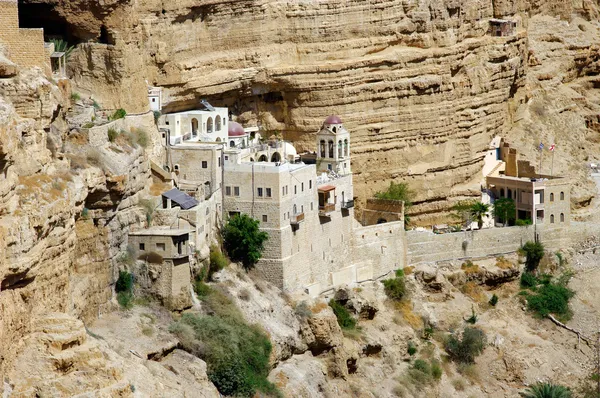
333	147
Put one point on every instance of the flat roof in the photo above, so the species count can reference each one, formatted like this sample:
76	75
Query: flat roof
326	188
265	167
161	232
528	179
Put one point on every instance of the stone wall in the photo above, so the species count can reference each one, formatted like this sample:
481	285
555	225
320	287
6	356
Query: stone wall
427	247
25	46
381	210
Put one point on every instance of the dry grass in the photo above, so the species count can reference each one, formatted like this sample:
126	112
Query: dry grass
459	384
471	372
405	308
40	188
503	263
408	270
318	307
469	268
474	291
147	330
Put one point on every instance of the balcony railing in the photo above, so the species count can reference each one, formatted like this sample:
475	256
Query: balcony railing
348	204
326	209
297	218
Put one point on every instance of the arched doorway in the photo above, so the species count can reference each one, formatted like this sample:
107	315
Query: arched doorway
262	158
218	139
218	123
276	157
194	127
381	221
209	125
232	144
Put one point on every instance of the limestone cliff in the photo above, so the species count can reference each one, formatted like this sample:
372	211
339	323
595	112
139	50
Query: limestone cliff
420	84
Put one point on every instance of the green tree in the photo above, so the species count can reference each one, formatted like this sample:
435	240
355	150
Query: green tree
534	252
546	390
63	47
398	191
505	209
465	348
478	211
243	240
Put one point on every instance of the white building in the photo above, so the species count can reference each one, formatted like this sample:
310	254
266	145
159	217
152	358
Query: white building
208	125
155	98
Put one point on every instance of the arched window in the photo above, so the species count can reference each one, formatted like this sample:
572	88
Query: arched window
218	139
194	126
562	217
509	193
209	125
276	157
551	197
501	192
330	149
340	153
231	144
262	158
322	149
218	123
551	218
346	152
295	210
562	196
334	129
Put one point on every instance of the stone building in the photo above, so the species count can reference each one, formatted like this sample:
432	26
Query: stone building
208	125
502	27
24	47
166	263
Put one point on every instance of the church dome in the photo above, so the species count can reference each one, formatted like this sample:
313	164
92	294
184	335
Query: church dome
235	130
333	119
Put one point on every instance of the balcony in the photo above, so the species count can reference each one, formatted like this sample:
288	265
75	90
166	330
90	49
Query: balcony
325	210
348	204
296	219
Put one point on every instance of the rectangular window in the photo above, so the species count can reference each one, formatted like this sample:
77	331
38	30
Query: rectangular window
160	246
259	192
226	157
302	187
204	164
309	184
311	205
142	246
264	218
268	192
236	191
282	191
219	162
227	191
295	189
286	189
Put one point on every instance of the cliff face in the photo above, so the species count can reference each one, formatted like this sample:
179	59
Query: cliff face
420	84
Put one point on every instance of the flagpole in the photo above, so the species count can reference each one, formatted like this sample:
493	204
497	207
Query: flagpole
552	167
541	156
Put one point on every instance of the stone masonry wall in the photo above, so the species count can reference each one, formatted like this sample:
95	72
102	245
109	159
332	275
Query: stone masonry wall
25	46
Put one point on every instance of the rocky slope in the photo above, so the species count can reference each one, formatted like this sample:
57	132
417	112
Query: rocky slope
420	84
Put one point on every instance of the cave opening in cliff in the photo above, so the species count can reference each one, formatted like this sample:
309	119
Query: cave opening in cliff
42	15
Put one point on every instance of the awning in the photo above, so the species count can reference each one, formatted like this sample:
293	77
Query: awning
181	198
326	188
56	54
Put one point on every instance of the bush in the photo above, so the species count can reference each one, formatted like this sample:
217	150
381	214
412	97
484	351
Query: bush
237	354
465	348
395	288
551	299
494	300
201	289
522	223
302	310
534	252
75	96
412	348
156	116
528	280
218	261
88	125
112	134
473	318
119	114
142	138
125	282
546	390
436	370
125	300
85	213
345	320
243	240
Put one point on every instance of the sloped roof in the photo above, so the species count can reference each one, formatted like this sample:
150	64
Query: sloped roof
326	188
181	198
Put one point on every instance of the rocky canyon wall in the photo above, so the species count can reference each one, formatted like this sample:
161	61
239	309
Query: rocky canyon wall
420	84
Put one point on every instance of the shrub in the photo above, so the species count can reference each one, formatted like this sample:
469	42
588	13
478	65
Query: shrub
397	191
344	319
551	299
201	289
504	209
494	300
546	390
119	114
75	96
522	223
243	240
237	354
528	280
395	288
85	213
465	348
436	370
88	125
141	138
302	310
124	282
112	134
125	300
96	105
473	318
534	252
412	348
156	116
218	261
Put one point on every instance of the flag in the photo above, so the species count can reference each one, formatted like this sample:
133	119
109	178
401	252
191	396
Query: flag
551	147
541	146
